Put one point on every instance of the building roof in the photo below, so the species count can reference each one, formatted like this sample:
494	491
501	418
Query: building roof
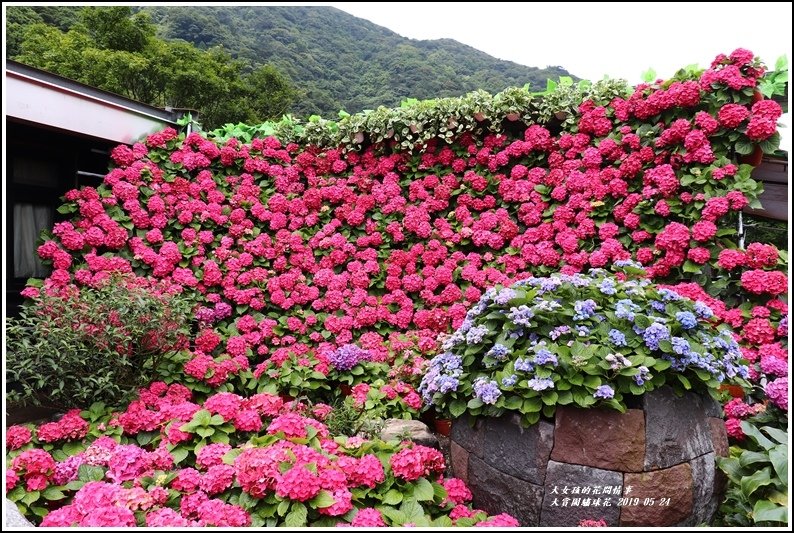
40	97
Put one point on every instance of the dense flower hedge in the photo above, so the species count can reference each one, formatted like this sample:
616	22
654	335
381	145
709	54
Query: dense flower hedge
299	250
181	463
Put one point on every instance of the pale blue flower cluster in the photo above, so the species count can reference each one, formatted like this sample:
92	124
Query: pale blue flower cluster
487	391
540	384
504	296
643	376
584	309
521	315
509	381
498	352
607	287
617	337
558	332
545	357
626	309
476	334
523	365
442	376
604	392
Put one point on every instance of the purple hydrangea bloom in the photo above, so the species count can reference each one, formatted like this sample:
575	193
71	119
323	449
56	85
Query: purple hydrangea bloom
604	392
487	391
643	376
558	332
523	365
346	357
205	315
222	310
656	305
540	384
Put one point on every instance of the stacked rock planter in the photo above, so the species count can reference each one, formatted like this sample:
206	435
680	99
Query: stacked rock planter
662	453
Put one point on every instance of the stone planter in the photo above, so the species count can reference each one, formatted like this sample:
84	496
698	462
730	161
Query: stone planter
663	451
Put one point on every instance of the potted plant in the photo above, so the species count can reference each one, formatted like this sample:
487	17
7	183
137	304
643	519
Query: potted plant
585	372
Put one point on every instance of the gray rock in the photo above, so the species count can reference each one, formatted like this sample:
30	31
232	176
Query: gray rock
711	407
496	492
677	430
467	436
414	430
561	477
705	498
12	517
517	451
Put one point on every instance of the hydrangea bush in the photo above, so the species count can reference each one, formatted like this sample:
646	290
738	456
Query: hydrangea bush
578	339
169	461
375	235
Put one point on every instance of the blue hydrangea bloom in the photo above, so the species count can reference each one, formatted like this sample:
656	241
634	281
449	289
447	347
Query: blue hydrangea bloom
617	337
523	365
509	381
703	310
584	309
607	286
544	357
654	334
476	334
487	391
604	392
498	352
540	384
686	319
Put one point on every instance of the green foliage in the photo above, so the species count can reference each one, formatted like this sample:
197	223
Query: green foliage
335	60
758	474
346	420
775	82
113	49
95	345
417	122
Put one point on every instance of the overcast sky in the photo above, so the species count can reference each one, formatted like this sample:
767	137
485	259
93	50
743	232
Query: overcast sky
591	40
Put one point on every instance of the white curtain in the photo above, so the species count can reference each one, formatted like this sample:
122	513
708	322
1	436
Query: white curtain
29	221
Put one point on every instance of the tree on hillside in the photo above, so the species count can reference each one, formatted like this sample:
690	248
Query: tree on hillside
113	49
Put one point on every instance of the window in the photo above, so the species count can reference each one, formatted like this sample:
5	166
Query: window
29	221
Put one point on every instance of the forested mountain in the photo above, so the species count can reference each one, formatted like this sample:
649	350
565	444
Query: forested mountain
335	60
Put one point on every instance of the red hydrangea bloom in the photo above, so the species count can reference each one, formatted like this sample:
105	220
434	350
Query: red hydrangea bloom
412	463
17	436
368	517
298	483
731	115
